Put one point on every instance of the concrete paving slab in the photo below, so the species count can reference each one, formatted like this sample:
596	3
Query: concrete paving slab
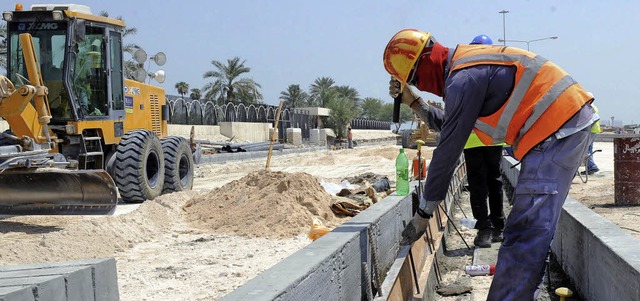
488	256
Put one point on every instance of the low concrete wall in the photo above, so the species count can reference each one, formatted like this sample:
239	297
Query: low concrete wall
202	132
84	280
246	131
600	258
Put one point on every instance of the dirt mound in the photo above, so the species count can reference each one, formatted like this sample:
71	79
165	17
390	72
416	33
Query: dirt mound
28	239
262	204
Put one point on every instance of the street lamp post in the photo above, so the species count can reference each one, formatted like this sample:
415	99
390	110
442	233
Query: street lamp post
504	31
528	42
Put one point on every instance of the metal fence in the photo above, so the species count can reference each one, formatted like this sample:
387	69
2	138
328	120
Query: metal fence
206	112
200	112
368	124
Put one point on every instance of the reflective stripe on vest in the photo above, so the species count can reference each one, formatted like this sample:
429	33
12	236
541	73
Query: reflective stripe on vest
539	86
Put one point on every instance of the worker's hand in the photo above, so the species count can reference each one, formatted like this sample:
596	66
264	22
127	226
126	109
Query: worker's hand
408	95
414	230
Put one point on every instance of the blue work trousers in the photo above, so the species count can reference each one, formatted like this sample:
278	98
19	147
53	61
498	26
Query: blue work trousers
591	164
545	178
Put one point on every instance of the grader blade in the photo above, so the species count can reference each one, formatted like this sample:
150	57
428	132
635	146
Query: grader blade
51	191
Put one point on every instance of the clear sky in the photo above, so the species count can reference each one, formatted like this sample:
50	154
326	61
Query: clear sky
296	41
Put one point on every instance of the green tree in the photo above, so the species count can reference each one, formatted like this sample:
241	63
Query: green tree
351	94
195	94
371	108
182	88
294	96
226	83
342	112
318	91
348	92
386	113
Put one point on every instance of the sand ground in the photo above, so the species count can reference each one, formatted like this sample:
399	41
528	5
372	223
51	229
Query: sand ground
162	257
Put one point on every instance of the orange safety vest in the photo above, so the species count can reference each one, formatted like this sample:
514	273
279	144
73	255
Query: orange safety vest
543	98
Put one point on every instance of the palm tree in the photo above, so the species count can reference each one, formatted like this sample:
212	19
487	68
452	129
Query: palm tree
3	47
294	96
349	93
371	108
226	82
195	94
342	112
183	88
319	88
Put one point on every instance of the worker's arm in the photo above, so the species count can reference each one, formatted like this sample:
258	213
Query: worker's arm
432	116
465	94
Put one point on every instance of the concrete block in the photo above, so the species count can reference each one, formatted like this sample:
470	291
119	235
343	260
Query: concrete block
104	275
17	293
314	136
246	131
50	288
202	132
294	136
323	133
78	279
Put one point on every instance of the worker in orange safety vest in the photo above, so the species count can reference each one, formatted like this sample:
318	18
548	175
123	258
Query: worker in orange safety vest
503	94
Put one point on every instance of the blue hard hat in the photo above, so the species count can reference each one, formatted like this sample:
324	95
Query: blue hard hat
482	39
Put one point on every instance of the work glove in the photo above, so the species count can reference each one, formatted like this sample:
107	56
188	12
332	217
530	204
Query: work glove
416	228
408	94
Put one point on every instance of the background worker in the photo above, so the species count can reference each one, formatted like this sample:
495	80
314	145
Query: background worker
485	180
349	137
592	167
507	95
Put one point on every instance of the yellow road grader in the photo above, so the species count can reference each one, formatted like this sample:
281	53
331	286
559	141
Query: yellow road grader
79	131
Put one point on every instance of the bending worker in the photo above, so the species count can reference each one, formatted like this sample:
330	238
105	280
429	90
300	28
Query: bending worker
504	94
485	180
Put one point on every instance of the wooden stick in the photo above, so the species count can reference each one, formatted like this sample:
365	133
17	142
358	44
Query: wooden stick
273	136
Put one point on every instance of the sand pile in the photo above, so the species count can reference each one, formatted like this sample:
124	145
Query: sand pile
60	238
263	204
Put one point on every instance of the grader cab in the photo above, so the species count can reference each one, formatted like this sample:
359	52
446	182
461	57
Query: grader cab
80	133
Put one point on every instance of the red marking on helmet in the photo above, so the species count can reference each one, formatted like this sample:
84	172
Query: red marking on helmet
393	48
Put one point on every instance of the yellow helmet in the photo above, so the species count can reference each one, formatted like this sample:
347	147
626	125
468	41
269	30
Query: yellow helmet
402	53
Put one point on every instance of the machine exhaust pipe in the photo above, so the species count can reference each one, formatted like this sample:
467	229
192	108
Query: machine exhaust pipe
53	191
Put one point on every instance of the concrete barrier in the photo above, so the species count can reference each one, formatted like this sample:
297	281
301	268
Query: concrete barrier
331	268
294	136
601	259
84	280
246	131
202	132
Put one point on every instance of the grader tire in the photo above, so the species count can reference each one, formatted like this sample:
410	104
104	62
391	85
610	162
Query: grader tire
139	166
178	164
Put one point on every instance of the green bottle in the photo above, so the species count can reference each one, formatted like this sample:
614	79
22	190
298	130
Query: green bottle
402	173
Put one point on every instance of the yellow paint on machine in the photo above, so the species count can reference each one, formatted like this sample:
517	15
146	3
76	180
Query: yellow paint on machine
143	110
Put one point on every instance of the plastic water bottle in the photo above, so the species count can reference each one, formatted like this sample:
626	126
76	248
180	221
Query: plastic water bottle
468	222
402	173
480	270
